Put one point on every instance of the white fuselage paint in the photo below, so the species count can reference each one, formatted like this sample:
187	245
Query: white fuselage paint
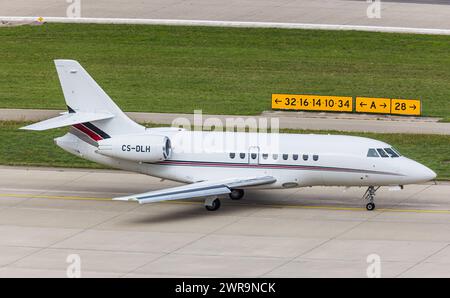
342	160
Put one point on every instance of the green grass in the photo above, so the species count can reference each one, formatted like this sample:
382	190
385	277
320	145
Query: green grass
27	148
222	70
32	148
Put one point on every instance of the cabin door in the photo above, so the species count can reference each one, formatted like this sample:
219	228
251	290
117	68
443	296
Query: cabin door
253	155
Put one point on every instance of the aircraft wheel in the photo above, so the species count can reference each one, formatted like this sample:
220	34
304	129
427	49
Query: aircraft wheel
236	194
370	206
214	205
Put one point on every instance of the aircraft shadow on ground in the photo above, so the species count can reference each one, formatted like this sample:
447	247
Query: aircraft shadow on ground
196	210
255	199
189	212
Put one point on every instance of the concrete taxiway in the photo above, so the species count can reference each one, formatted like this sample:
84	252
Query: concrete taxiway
419	14
47	214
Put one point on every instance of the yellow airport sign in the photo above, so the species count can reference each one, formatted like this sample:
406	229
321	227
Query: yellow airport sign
406	107
312	102
373	105
284	102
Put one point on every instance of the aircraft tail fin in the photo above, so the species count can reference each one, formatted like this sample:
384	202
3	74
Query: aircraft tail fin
87	102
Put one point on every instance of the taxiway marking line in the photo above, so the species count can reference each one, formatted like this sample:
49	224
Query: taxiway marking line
10	195
76	198
237	24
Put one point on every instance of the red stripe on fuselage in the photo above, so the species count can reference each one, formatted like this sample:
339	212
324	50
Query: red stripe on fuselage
88	132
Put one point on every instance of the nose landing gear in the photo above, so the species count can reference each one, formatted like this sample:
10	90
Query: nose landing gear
370	206
370	196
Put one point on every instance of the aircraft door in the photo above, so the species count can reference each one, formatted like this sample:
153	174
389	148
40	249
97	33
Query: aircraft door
253	155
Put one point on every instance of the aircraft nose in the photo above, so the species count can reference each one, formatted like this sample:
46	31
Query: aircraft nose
420	173
428	174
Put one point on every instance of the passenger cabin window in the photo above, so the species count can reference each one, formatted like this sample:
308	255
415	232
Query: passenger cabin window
391	152
242	155
275	156
372	153
285	156
315	157
382	153
305	157
265	155
254	155
295	156
232	155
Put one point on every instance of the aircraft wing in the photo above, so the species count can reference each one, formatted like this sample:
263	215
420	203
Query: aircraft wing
198	189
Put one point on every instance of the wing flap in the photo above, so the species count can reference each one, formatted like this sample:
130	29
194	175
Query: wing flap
68	119
197	190
251	182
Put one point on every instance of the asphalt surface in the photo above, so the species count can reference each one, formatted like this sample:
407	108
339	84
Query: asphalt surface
432	14
289	120
48	214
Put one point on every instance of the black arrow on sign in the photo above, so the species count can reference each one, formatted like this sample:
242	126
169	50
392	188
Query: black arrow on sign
277	100
362	104
384	105
413	107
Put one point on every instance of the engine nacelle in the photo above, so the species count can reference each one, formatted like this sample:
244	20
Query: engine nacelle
145	148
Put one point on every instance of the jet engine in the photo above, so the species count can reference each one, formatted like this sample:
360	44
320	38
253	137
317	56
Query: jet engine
141	148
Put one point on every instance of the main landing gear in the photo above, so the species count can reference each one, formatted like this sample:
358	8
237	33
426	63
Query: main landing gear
370	196
213	203
236	194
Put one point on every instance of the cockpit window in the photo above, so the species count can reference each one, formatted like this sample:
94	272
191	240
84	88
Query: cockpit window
382	153
396	151
391	152
386	152
372	153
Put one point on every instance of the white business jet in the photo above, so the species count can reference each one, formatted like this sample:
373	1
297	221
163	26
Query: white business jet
102	133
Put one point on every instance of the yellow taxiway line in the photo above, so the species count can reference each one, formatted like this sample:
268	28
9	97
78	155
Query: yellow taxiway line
10	195
31	196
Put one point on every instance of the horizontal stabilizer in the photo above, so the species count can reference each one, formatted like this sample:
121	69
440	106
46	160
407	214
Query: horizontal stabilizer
68	119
